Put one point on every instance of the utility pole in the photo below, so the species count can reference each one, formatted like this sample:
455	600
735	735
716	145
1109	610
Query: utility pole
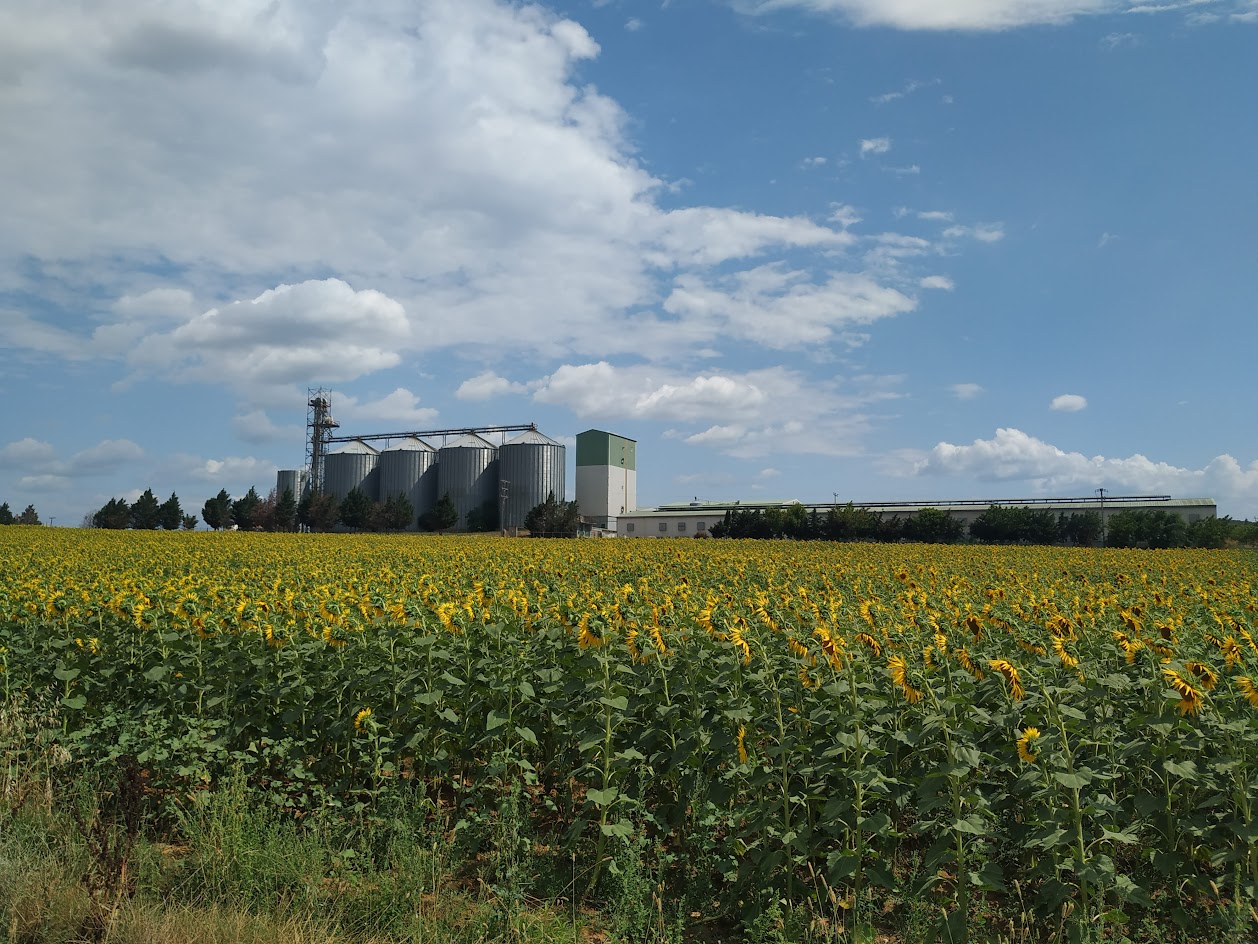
504	486
1101	493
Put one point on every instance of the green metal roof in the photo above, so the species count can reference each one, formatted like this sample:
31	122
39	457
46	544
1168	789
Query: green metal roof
598	447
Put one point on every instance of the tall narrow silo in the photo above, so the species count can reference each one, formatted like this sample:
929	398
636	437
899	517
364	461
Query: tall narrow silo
409	468
293	480
353	466
533	466
467	471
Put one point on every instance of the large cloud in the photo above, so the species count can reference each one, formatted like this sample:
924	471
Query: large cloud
748	413
1012	455
38	466
285	335
210	166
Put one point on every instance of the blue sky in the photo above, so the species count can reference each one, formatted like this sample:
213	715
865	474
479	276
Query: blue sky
889	249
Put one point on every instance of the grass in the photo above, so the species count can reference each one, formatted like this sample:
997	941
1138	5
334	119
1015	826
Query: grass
89	863
110	862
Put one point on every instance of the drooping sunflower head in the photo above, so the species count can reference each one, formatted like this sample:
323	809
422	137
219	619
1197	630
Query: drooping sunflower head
1029	734
1063	654
899	675
1206	675
1190	700
1248	689
1010	672
869	642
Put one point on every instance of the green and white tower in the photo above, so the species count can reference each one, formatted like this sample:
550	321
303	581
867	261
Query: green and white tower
607	476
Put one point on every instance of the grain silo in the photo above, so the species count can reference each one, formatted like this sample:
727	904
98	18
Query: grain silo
293	480
531	466
355	465
467	471
409	468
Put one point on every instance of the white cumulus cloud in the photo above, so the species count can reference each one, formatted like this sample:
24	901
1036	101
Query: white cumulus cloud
1013	455
875	146
750	413
1069	403
970	15
401	407
487	385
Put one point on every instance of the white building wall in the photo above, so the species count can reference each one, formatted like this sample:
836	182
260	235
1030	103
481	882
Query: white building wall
605	491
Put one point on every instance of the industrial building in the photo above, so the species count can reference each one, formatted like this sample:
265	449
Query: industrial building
607	477
685	519
519	473
515	475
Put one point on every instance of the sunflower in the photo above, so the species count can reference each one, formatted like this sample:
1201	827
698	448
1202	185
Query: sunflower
870	642
1248	689
1059	647
1010	673
1190	700
1208	677
899	675
1024	745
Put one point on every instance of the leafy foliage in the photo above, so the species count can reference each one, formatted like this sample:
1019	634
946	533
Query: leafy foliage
318	511
483	518
815	728
393	514
442	517
171	514
146	512
934	526
217	511
553	519
114	515
28	516
1145	527
245	510
6	514
286	511
356	510
1011	524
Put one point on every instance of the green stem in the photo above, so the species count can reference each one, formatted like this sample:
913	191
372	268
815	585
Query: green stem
604	808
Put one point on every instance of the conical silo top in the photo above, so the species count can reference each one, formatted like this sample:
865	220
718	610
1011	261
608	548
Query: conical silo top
410	444
532	438
469	441
357	447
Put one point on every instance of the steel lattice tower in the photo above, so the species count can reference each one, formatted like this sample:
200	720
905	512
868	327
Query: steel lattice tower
319	423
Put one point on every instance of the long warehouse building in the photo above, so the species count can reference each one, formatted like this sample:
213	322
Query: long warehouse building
688	518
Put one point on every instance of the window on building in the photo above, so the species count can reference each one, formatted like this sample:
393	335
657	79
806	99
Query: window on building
663	525
629	528
700	526
681	526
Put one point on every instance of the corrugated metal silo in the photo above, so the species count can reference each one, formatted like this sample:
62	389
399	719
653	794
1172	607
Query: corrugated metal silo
467	471
409	468
353	466
534	465
292	479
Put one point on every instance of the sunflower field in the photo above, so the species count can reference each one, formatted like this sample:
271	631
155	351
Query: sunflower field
835	729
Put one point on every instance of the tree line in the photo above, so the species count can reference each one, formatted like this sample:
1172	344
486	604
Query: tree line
28	516
315	512
999	524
